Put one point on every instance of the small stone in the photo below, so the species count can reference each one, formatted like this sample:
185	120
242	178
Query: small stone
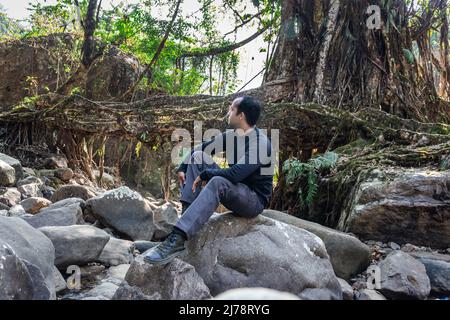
394	246
119	272
368	294
34	204
9	196
55	162
347	290
409	248
28	180
7	174
16	211
30	190
65	174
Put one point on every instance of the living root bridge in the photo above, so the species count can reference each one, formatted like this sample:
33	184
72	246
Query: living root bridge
150	121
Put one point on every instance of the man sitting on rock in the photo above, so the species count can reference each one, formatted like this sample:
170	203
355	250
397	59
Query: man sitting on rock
244	188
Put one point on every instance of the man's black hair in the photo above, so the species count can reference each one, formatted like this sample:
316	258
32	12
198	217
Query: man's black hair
251	108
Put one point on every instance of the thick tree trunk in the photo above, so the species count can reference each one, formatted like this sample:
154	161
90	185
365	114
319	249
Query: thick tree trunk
327	53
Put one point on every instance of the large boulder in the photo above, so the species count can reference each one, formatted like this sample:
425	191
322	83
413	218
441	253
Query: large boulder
15	280
7	174
124	210
255	294
174	281
348	255
77	244
231	252
57	215
9	196
401	205
13	163
73	191
438	270
403	277
117	252
35	250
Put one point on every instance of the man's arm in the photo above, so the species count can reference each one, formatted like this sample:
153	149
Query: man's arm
239	171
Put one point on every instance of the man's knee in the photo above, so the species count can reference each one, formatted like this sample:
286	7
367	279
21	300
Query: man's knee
218	181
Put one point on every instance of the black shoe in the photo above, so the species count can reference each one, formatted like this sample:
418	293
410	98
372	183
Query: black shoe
166	251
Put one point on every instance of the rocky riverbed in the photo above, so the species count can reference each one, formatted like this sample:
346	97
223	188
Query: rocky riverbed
63	238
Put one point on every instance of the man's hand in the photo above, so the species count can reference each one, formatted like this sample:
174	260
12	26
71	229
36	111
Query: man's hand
196	182
181	178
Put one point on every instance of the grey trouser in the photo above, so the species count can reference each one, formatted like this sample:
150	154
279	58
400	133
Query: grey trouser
237	197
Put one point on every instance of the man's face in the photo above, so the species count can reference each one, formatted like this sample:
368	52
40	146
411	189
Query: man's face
234	119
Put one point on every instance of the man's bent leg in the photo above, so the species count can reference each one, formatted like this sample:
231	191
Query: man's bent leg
236	197
199	162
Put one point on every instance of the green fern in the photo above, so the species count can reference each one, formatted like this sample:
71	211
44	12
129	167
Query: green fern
296	171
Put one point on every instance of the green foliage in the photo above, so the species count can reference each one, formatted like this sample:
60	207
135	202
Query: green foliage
9	28
138	28
299	172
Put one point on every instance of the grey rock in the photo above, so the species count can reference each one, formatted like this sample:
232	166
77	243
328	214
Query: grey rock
401	205
124	210
30	190
77	244
4	213
15	280
231	252
348	255
73	191
47	191
347	290
7	174
176	280
55	162
13	163
165	217
316	294
127	292
4	207
60	282
57	216
34	204
104	291
116	252
17	211
255	294
28	180
119	272
35	250
143	245
66	203
107	179
10	196
394	246
403	277
28	172
438	270
368	294
65	174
